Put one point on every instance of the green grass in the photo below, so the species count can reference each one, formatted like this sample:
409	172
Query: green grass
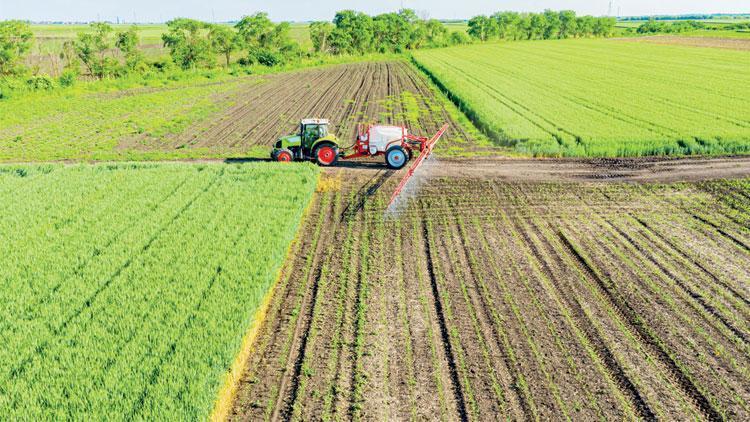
600	97
127	289
89	121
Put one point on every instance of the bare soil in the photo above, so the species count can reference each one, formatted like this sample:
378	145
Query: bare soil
649	169
708	42
260	109
515	289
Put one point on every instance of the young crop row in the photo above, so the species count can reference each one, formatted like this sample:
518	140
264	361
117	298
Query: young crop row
539	300
600	98
128	288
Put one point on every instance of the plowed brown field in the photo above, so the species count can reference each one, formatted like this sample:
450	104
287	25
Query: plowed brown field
493	299
262	108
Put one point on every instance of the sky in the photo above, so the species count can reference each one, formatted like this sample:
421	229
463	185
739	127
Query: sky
301	10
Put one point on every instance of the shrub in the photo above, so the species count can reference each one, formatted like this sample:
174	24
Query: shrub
38	83
68	78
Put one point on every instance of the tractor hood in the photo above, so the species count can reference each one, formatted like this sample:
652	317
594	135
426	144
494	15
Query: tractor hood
289	141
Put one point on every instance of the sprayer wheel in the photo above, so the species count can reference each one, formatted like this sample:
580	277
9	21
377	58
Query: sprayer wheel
396	157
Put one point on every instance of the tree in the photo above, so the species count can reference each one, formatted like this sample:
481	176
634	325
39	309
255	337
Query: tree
459	38
481	27
15	41
188	43
416	29
436	34
584	26
127	42
320	34
552	28
268	44
69	55
390	33
568	24
524	27
507	24
538	26
604	27
353	34
224	41
92	47
255	29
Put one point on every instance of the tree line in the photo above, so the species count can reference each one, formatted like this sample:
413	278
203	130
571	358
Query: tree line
654	26
104	52
539	26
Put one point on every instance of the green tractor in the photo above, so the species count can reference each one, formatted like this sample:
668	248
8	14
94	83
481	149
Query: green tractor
313	142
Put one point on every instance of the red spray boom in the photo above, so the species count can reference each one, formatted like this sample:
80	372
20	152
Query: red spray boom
426	150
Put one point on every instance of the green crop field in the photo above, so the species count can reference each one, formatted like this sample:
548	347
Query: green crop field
127	288
601	97
87	121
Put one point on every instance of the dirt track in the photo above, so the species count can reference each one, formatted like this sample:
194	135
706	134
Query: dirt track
606	170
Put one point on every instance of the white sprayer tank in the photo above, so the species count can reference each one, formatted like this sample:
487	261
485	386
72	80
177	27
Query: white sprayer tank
381	136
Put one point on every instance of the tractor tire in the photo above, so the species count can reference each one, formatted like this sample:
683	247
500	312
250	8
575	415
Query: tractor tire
396	157
284	156
326	155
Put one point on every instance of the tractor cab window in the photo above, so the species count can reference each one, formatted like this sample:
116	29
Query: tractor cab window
314	132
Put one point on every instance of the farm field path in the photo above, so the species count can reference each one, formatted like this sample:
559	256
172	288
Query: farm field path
708	42
532	289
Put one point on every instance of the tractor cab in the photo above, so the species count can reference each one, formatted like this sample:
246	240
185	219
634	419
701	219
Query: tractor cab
313	142
312	130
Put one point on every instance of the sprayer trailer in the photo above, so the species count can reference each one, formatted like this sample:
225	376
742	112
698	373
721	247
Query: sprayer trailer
315	142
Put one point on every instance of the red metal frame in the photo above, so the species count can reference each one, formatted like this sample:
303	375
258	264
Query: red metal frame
426	146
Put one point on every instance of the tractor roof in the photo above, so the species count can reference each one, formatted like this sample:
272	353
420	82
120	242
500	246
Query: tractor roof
314	121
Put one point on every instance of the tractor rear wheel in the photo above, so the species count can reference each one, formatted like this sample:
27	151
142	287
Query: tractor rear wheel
396	157
284	156
326	155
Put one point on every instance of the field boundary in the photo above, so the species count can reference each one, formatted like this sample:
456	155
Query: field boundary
228	392
497	137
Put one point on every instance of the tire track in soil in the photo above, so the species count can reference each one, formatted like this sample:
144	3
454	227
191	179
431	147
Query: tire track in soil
289	390
655	256
708	352
498	358
612	368
648	339
739	296
742	245
445	336
698	297
584	380
709	356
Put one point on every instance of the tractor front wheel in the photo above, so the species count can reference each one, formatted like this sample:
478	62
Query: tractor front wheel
326	155
284	156
396	157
